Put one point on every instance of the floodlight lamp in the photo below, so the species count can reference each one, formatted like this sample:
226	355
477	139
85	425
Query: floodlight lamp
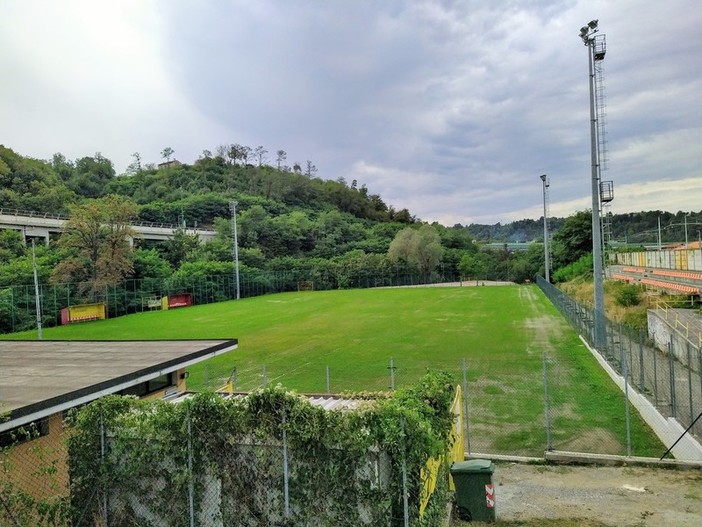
584	31
543	177
593	24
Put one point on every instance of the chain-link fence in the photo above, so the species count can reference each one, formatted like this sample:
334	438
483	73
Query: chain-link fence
671	380
542	402
18	303
559	400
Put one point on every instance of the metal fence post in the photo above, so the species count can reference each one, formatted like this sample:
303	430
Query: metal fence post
102	469
191	484
547	406
286	490
328	384
466	415
405	497
671	368
392	374
625	374
641	362
689	379
630	359
655	378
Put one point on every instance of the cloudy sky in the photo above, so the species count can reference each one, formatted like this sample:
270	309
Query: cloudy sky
452	109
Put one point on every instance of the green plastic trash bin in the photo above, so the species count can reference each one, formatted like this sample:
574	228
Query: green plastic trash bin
475	493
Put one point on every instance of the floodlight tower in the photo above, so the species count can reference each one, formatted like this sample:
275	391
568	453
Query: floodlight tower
547	264
596	52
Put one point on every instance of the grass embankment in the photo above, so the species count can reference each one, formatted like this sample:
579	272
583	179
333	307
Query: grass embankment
634	316
501	332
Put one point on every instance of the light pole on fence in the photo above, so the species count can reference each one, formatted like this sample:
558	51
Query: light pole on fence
233	205
596	52
547	264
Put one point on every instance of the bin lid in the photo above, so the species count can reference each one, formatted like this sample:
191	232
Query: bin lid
473	466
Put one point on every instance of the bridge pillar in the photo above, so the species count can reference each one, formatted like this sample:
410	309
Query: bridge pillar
36	232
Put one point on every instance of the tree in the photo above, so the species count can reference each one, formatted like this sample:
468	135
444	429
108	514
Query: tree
473	266
177	249
91	176
238	152
573	240
418	247
148	263
260	154
11	245
96	238
311	170
245	153
62	166
429	249
281	156
222	151
167	153
135	166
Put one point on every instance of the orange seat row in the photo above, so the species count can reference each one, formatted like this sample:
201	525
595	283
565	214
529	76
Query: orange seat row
670	285
678	274
633	270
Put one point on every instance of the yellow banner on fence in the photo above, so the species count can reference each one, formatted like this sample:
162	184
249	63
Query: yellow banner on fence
430	471
87	312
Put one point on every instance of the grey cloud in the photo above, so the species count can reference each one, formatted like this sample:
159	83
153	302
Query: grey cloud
452	109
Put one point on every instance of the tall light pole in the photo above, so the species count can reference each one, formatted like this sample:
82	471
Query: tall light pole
545	184
686	215
596	52
37	299
233	205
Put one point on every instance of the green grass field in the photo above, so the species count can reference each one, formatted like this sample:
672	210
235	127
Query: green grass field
500	332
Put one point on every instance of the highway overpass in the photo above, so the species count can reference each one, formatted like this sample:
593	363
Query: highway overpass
45	225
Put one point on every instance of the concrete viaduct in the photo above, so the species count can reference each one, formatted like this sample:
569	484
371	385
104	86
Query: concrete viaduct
45	225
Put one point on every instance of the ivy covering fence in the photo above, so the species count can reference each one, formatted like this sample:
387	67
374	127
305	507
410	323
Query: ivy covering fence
267	458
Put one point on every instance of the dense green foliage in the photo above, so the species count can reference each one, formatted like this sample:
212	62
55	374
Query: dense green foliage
581	268
628	295
239	442
326	232
289	220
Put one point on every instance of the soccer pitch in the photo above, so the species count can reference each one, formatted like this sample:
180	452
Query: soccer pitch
345	340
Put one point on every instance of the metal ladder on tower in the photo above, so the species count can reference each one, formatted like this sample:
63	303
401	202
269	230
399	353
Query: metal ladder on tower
606	187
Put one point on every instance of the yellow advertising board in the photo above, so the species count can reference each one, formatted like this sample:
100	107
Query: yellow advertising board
430	471
87	312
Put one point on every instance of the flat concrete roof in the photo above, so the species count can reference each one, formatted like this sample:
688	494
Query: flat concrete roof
39	378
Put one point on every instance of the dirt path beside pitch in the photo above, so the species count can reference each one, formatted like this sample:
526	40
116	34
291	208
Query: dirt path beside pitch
630	496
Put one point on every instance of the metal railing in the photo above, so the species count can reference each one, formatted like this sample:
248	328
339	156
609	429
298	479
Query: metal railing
63	217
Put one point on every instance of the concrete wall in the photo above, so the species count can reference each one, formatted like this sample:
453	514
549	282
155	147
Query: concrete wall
668	429
661	332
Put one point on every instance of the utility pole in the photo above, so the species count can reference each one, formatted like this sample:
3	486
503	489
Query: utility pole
233	205
547	263
37	300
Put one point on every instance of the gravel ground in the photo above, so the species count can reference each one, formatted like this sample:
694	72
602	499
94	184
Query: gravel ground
617	496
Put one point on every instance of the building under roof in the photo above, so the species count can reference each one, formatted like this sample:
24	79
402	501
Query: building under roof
41	378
